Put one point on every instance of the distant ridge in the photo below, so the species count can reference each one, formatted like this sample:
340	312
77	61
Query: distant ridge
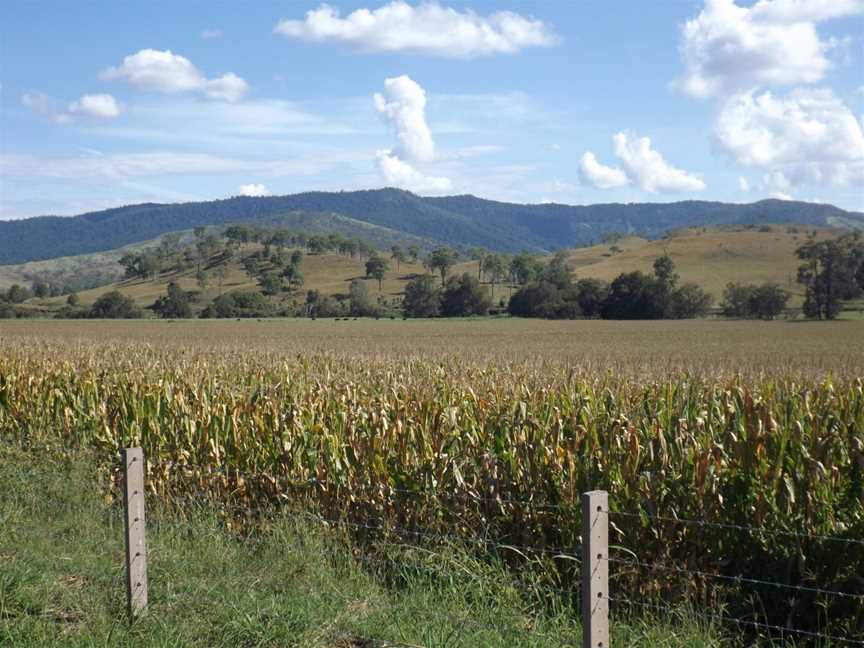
455	220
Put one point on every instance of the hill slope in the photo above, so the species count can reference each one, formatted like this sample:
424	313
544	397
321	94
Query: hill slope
455	220
709	257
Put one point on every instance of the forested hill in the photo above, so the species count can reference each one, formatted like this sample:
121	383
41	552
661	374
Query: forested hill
456	220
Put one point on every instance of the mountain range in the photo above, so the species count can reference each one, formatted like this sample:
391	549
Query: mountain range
451	220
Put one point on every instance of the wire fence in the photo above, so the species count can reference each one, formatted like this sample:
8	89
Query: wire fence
383	533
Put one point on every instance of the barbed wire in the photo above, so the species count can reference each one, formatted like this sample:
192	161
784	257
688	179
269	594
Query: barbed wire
735	579
736	527
743	622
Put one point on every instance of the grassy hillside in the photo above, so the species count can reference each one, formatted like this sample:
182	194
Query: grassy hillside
454	220
331	274
709	257
100	268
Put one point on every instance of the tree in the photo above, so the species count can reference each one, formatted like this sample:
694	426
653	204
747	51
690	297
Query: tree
149	265
591	294
175	304
632	296
689	301
464	296
736	300
296	258
114	305
239	304
525	268
495	267
202	279
376	267
17	294
666	281
271	283
414	253
252	265
293	275
558	271
73	299
422	297
398	255
830	273
221	273
200	231
442	259
537	299
41	289
361	302
767	301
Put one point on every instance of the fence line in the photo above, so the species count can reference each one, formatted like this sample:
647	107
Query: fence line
713	616
738	527
594	560
574	507
736	579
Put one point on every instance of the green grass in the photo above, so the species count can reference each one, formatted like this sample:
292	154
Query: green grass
284	584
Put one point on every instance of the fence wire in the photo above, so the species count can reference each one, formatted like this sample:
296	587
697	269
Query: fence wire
756	625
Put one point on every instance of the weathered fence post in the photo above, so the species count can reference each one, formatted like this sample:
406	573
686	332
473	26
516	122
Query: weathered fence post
135	528
595	570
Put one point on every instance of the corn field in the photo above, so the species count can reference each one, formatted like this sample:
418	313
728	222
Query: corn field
499	449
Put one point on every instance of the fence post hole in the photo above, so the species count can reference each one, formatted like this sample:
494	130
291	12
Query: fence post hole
595	569
135	530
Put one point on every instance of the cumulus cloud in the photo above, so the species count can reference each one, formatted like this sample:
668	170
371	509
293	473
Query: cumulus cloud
599	176
254	190
642	167
403	107
647	169
428	28
729	48
102	106
169	73
398	173
810	135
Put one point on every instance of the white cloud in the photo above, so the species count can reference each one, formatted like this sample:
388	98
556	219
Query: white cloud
403	106
428	28
212	33
728	48
779	195
169	73
599	176
398	173
810	135
103	106
254	190
647	169
643	167
45	106
743	184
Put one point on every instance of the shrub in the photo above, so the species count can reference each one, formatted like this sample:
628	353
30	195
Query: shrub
114	305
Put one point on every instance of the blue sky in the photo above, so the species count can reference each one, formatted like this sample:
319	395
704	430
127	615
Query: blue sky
107	103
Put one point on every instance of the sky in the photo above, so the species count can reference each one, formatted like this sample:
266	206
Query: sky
110	103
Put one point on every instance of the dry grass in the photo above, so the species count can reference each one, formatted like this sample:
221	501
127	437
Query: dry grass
710	258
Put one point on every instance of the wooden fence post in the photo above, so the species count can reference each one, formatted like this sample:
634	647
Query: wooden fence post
135	528
595	570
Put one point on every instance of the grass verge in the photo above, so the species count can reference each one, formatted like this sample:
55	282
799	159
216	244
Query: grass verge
285	584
